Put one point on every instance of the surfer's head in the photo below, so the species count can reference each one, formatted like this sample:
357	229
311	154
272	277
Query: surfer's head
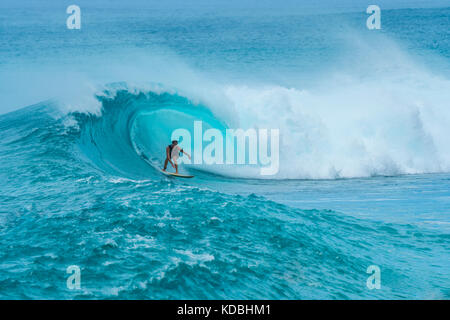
174	142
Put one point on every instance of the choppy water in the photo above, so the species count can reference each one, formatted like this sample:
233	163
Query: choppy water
366	182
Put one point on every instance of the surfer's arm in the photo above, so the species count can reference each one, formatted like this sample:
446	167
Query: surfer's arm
184	152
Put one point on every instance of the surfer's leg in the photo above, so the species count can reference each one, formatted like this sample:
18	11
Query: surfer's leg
176	167
165	164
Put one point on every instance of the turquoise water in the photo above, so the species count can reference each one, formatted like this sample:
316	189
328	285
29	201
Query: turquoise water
364	174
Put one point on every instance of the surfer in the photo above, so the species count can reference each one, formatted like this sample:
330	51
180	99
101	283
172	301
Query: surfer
172	154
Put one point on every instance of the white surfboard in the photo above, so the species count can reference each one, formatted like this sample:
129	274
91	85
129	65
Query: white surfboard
173	174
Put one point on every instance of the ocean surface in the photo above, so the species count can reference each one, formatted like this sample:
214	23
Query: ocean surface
364	177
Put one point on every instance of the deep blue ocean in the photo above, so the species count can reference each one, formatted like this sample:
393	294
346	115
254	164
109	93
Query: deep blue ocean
364	176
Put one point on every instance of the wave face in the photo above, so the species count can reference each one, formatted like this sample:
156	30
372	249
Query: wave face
373	134
130	136
79	172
